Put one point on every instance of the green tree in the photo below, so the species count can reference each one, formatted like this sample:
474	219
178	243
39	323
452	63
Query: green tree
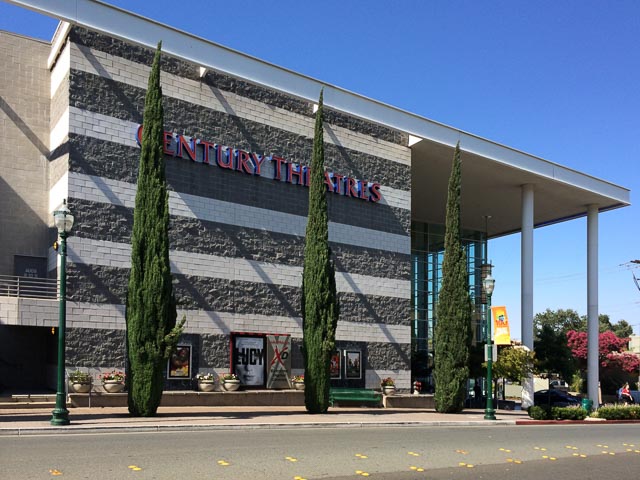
622	329
513	364
553	354
151	312
559	321
604	323
453	310
320	308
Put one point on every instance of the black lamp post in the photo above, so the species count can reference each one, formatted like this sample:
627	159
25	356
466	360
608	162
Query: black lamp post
489	413
63	221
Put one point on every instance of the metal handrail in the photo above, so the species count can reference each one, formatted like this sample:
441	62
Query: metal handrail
28	287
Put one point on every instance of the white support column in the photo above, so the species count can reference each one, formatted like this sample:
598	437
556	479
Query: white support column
526	278
593	379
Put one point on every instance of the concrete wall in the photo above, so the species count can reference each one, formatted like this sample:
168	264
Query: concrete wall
24	135
236	239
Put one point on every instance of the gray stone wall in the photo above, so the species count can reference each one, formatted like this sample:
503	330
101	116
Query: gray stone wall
101	221
24	131
88	39
95	348
104	167
101	284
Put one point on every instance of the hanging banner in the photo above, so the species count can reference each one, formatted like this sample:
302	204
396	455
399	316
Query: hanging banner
501	334
279	361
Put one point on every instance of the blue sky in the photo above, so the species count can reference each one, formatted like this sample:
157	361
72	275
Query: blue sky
559	80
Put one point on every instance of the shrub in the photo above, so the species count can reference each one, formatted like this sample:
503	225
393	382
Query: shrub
539	412
544	412
568	413
387	382
80	377
619	412
205	377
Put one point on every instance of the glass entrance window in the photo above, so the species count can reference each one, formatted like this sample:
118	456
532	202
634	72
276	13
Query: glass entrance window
427	256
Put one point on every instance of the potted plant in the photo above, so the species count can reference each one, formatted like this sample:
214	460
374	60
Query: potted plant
388	386
113	381
230	382
206	382
298	382
80	381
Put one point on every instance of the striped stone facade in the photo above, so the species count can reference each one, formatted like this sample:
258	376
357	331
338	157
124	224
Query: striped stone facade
236	239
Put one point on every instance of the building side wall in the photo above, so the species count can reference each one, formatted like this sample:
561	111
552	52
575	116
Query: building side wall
24	131
236	239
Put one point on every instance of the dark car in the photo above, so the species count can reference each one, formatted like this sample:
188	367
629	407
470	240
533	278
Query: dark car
554	398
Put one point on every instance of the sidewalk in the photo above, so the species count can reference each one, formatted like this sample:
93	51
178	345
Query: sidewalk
117	419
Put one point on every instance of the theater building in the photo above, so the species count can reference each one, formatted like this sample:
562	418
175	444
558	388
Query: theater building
238	140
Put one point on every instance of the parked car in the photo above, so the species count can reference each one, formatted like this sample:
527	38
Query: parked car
554	398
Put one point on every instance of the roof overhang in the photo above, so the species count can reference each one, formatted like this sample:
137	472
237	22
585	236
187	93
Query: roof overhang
493	174
492	181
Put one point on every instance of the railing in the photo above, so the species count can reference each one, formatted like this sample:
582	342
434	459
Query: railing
28	287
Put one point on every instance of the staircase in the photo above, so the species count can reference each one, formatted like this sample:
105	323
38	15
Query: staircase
26	401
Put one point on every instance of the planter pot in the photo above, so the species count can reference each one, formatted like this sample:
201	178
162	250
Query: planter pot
298	385
389	390
113	386
81	387
231	385
206	386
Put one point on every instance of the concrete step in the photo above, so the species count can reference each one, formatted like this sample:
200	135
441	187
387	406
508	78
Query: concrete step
186	398
25	405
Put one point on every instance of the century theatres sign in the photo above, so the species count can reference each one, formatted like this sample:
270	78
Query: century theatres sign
250	163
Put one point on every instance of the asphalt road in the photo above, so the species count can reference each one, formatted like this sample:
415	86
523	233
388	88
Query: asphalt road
537	452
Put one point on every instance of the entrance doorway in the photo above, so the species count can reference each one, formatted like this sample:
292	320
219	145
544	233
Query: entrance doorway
28	359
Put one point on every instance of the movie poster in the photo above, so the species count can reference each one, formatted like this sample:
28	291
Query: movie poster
279	361
179	364
335	365
249	360
353	369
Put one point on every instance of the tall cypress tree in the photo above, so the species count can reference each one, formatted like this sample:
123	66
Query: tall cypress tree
453	311
151	313
320	308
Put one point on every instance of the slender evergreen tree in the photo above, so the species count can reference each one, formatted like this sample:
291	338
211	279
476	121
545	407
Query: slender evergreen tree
320	308
453	311
151	313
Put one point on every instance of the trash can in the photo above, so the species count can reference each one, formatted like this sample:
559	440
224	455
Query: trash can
587	404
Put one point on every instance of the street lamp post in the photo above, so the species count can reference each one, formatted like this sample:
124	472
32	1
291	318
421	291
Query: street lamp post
63	221
489	413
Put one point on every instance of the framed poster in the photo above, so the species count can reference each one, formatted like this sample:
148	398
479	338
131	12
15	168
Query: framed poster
249	359
179	364
353	364
279	361
336	365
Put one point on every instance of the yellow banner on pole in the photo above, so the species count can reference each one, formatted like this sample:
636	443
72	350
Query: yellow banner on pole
501	334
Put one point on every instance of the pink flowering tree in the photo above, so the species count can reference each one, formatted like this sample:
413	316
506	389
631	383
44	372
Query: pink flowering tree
616	364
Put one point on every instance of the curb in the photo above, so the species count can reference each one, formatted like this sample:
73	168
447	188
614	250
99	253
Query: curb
574	422
93	429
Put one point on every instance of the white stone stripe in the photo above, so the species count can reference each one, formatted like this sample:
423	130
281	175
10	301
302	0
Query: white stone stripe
60	70
112	254
402	378
101	190
193	91
112	316
58	193
103	127
60	131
